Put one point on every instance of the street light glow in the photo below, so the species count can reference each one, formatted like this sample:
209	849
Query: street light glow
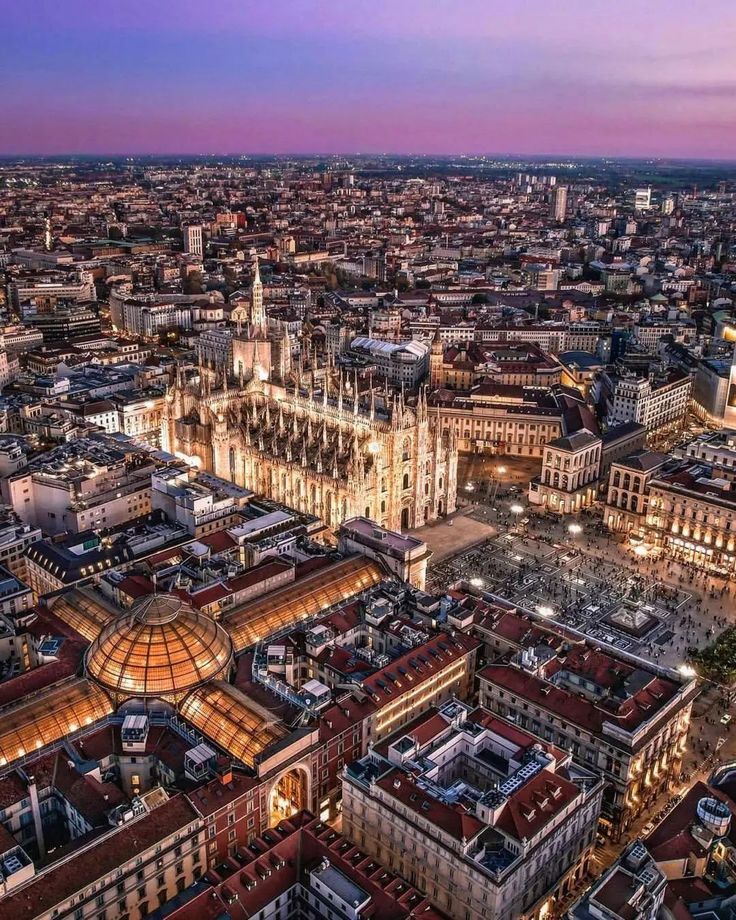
575	529
545	611
476	582
517	509
641	550
687	670
502	470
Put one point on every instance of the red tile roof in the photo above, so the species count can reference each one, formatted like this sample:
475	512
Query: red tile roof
295	848
58	884
65	665
671	838
535	804
453	819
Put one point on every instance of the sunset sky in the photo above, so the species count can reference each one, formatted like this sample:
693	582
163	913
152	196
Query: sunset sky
634	77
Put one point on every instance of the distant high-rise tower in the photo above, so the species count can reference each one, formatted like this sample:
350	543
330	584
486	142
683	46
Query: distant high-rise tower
47	234
558	203
193	240
642	199
257	312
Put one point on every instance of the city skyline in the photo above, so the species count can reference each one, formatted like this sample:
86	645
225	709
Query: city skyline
470	78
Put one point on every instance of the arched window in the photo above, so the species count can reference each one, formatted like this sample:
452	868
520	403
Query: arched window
367	511
406	481
232	464
617	478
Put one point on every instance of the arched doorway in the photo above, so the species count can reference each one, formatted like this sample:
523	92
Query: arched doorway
404	518
289	794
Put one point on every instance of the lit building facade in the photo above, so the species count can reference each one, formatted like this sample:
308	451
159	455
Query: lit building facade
569	479
483	817
324	454
620	716
691	516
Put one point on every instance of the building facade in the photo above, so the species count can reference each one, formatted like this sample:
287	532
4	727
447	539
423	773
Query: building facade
484	818
570	469
325	454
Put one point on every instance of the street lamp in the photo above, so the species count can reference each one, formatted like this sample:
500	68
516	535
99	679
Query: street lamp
575	529
517	509
501	470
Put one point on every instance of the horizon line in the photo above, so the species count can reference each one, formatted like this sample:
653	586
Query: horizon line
390	155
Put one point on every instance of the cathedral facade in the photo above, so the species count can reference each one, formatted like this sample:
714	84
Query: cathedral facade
320	451
312	444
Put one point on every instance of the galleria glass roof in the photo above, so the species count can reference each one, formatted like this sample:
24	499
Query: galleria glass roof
82	612
227	716
49	717
255	621
162	647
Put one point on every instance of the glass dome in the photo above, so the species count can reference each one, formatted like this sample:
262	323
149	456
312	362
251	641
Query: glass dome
162	647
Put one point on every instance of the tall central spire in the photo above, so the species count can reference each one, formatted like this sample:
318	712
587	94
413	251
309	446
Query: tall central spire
257	313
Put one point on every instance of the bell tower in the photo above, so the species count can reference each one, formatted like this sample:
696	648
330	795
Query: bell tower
257	313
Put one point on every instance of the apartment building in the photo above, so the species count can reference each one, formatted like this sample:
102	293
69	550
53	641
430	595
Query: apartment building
619	715
402	364
127	870
461	366
691	516
303	869
50	289
139	413
15	538
200	502
659	403
485	819
633	888
627	497
80	485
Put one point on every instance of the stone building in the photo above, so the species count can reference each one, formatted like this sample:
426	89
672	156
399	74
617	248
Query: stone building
322	452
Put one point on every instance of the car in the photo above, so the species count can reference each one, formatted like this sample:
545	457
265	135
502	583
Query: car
725	719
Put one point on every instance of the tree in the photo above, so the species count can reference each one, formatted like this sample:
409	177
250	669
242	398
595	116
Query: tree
479	298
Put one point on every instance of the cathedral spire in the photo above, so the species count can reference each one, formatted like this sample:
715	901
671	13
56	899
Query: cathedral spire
257	312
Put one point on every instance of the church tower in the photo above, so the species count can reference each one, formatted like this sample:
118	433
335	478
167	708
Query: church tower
257	313
436	360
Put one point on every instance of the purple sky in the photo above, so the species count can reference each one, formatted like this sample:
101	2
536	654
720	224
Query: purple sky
633	77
